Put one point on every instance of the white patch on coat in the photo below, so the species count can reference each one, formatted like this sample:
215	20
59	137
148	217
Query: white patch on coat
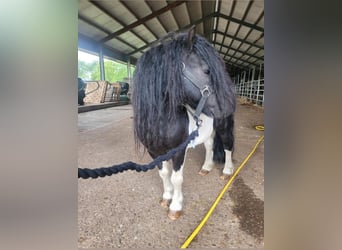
205	135
205	131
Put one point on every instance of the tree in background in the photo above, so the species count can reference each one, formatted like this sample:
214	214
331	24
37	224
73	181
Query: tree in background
114	71
85	70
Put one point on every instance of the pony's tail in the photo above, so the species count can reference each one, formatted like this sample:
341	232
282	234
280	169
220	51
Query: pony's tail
219	154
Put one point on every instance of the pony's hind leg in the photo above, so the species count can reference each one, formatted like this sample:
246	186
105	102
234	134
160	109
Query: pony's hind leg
224	143
209	153
176	205
165	175
228	165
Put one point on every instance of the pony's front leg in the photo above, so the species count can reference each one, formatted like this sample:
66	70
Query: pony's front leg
165	175
176	205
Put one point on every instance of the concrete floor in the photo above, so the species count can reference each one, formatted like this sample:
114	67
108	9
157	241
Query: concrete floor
123	211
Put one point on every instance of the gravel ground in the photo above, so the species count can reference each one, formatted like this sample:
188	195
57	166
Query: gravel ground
123	211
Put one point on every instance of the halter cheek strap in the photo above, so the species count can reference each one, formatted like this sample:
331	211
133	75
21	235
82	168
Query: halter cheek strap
203	88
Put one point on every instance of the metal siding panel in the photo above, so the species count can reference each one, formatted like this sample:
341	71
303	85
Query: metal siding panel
112	25
140	8
180	13
90	31
116	44
144	33
226	6
240	9
91	12
130	38
232	28
119	11
243	32
195	10
168	21
222	24
156	5
254	35
156	27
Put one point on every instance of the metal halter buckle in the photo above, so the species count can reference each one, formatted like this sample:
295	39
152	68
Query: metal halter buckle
206	91
198	121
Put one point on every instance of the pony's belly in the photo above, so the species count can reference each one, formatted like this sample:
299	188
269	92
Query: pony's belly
205	131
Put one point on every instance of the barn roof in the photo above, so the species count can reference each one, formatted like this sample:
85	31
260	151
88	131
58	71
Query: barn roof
125	29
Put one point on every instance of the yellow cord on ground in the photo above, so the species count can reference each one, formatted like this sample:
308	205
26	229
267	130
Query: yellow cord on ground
206	217
260	127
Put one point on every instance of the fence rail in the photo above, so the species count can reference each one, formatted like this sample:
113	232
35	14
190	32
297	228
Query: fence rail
250	84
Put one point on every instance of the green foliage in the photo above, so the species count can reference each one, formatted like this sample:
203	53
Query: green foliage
114	71
85	70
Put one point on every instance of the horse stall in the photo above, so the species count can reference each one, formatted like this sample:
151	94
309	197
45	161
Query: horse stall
182	164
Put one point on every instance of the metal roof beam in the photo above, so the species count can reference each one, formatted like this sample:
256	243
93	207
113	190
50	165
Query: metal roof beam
96	4
250	31
135	15
239	27
239	59
90	22
239	39
226	30
243	52
235	20
92	45
208	7
142	20
253	55
182	29
160	22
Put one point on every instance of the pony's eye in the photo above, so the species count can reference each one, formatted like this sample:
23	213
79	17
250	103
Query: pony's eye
207	71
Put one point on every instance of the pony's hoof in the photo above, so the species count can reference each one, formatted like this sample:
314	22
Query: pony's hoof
174	215
225	176
203	172
165	203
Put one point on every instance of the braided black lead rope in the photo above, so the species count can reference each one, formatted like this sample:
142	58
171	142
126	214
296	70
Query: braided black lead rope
85	173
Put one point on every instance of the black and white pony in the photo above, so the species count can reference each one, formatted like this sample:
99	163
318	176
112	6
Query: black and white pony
169	83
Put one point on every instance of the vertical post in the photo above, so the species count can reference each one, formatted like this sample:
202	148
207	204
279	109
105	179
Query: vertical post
251	84
102	70
244	83
239	85
263	83
258	90
253	75
248	85
129	68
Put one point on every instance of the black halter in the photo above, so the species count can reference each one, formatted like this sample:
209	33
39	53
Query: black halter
203	88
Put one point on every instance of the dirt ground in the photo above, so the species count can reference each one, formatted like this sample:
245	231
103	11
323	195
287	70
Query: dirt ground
123	211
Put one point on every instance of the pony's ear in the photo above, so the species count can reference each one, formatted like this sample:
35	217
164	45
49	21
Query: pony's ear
191	35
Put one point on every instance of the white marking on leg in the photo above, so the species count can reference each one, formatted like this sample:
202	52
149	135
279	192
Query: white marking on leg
164	173
228	166
208	162
177	181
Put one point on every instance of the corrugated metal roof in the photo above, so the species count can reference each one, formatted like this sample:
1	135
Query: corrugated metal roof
127	28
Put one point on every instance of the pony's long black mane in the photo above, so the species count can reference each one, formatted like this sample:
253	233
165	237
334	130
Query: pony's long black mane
158	92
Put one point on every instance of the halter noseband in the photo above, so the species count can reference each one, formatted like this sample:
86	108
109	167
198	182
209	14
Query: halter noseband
203	88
